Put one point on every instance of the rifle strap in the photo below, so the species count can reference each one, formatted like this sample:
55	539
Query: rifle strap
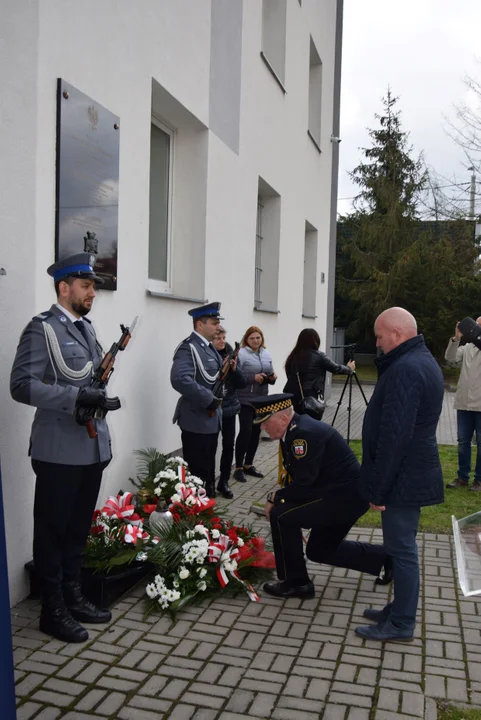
57	361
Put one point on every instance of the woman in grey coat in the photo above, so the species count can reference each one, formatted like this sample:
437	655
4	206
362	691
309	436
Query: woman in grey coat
255	362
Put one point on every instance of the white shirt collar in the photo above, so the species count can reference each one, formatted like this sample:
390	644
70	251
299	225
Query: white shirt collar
68	314
202	338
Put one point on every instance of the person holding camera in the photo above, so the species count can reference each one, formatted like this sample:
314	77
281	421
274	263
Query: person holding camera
306	368
467	404
255	362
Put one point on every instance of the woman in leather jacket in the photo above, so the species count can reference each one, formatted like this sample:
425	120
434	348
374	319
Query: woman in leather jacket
312	365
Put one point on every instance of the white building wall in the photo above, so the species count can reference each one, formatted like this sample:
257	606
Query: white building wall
111	51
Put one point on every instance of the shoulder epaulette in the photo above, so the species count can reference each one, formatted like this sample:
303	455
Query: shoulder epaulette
181	343
43	316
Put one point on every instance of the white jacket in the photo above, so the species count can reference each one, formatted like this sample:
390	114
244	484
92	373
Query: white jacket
468	394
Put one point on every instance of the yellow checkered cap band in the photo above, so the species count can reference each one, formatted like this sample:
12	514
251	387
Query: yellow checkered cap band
274	407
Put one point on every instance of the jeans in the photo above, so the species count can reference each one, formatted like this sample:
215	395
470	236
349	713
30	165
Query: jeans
469	421
399	528
228	438
248	437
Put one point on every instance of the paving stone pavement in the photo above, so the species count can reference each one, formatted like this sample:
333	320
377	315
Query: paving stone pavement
231	658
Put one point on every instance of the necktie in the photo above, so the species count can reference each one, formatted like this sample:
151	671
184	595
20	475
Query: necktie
80	325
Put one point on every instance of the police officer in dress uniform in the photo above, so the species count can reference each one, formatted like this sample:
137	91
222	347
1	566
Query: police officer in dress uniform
195	370
56	355
322	495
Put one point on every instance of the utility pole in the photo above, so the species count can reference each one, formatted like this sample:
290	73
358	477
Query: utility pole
472	194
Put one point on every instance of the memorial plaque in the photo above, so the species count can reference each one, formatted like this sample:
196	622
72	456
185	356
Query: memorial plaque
87	181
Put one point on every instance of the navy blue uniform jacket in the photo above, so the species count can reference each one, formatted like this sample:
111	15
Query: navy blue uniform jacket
400	460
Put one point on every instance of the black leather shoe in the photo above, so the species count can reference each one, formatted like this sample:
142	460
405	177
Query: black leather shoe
210	490
281	590
386	577
225	491
377	616
82	609
253	472
239	476
56	620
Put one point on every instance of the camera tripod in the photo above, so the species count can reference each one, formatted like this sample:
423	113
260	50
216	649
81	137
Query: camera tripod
348	383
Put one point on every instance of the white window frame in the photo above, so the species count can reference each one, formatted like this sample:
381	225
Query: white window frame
165	287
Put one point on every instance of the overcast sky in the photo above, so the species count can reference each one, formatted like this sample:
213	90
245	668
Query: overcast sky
422	49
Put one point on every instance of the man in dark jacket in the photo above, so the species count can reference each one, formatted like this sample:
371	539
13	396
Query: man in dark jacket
400	469
320	492
230	409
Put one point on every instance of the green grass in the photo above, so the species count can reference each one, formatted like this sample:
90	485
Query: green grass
369	373
450	712
435	518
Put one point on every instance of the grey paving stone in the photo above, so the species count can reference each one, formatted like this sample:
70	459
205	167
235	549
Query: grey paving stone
91	699
27	710
263	705
208	701
29	683
93	671
388	699
182	712
457	689
48	713
153	686
358	714
334	712
303	704
49	697
113	701
158	705
412	704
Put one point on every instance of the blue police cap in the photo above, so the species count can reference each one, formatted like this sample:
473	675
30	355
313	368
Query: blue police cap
210	310
80	265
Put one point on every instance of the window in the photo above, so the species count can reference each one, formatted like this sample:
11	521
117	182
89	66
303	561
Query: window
315	96
268	228
160	212
274	37
310	272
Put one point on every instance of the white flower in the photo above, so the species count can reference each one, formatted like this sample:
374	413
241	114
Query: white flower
215	534
141	557
151	591
201	529
164	604
202	572
195	480
175	583
157	491
179	487
191	500
200	561
202	585
176	461
175	498
183	573
240	542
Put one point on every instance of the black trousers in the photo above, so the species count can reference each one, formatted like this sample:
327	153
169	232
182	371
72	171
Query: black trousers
329	523
248	437
199	454
228	437
65	498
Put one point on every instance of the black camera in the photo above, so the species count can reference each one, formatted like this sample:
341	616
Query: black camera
471	331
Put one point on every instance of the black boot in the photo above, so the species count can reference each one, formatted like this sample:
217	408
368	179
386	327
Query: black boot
82	609
210	490
56	620
386	577
224	489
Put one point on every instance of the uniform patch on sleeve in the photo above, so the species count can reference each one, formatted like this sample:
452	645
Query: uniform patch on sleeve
299	448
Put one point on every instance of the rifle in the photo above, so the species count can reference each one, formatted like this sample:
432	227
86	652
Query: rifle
102	375
224	372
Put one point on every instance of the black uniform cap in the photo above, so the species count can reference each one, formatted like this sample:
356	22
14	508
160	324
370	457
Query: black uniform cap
210	310
267	405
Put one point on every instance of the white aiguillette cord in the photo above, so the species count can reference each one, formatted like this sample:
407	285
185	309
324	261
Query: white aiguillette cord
198	364
54	350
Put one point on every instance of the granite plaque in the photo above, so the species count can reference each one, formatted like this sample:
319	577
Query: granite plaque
87	181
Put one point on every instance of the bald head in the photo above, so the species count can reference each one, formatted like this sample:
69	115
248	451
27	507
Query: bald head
393	327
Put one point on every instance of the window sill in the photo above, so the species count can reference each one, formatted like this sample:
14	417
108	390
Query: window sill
311	317
318	147
169	296
274	74
264	310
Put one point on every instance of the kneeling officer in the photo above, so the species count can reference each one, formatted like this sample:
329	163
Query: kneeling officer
320	492
56	355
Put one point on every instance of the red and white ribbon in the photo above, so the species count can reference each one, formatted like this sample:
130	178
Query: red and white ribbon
119	507
222	551
134	533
